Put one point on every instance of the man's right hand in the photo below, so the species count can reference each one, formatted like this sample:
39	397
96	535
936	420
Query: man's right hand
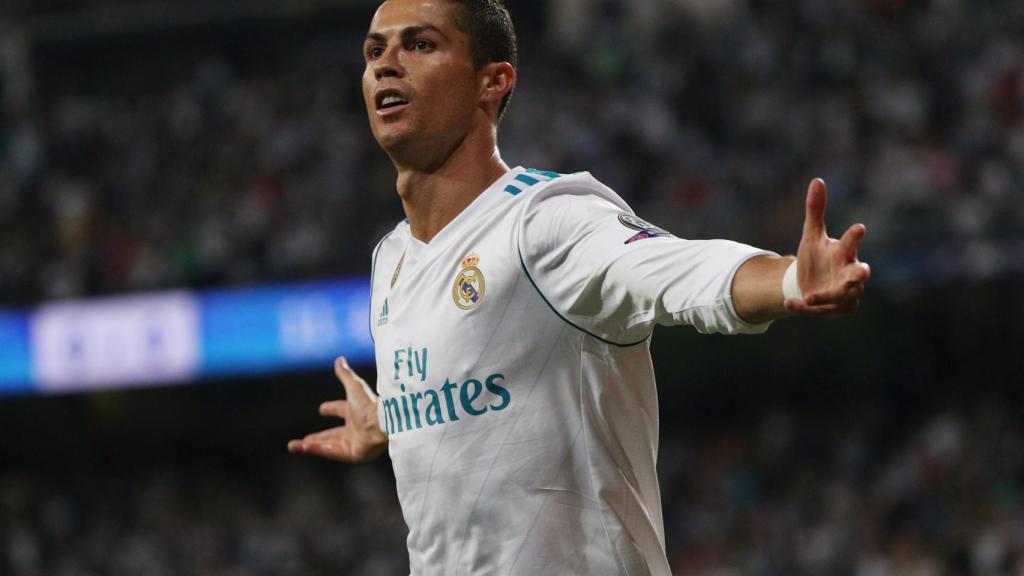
359	438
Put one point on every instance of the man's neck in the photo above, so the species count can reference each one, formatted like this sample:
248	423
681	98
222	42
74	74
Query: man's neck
433	198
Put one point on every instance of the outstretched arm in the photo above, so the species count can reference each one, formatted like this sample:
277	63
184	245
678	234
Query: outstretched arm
359	439
829	275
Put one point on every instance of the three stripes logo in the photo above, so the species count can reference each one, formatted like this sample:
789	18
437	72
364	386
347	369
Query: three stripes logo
383	319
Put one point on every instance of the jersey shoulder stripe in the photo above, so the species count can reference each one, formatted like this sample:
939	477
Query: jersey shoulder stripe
530	179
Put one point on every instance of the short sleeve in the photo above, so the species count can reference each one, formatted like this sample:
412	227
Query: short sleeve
615	276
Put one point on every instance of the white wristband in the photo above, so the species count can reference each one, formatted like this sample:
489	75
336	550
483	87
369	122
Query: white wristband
790	285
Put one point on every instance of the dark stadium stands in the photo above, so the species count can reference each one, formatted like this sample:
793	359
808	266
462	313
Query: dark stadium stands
226	152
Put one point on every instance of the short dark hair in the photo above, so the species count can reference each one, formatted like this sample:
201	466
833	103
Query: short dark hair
492	37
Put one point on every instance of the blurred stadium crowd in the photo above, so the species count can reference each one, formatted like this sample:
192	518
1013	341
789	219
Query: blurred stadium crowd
941	498
860	497
240	153
236	151
200	520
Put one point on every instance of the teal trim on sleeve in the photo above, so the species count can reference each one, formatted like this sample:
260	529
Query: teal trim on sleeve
530	181
522	263
545	173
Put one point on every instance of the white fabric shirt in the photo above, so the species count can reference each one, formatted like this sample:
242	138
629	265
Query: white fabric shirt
515	377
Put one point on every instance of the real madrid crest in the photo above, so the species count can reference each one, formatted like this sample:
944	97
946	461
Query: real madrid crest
468	290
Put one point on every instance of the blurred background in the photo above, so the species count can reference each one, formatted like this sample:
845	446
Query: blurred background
189	195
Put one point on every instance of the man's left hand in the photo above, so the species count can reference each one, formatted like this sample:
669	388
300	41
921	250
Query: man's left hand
830	276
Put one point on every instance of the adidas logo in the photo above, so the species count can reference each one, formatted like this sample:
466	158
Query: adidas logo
383	320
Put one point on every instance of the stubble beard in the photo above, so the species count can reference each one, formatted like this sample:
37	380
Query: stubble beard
406	148
417	149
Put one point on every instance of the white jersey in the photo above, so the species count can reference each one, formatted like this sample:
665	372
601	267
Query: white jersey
515	378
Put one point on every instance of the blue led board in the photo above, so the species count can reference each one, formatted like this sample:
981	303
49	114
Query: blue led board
177	337
15	360
284	328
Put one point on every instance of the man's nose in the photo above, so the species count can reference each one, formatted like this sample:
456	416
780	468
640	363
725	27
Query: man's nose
388	64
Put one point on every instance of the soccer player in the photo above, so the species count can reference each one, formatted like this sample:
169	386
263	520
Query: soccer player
511	314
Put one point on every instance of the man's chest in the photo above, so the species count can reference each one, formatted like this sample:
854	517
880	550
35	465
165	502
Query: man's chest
448	298
457	333
439	319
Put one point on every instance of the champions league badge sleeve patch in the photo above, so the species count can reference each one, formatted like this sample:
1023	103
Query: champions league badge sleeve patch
643	228
468	290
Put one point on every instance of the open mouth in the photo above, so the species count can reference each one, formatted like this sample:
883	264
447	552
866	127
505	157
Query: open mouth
391	101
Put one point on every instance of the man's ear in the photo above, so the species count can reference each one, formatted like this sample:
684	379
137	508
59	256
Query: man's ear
496	80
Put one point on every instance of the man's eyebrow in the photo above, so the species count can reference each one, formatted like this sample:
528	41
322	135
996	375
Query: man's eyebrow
414	30
406	32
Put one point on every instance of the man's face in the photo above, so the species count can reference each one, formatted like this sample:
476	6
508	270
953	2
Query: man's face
420	85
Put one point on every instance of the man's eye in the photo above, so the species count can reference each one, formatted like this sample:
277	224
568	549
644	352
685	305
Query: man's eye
421	45
374	52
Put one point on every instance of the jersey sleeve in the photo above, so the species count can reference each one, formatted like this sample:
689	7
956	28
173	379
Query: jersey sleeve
615	276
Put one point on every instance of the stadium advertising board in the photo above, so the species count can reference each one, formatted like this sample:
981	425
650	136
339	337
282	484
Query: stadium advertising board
181	336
